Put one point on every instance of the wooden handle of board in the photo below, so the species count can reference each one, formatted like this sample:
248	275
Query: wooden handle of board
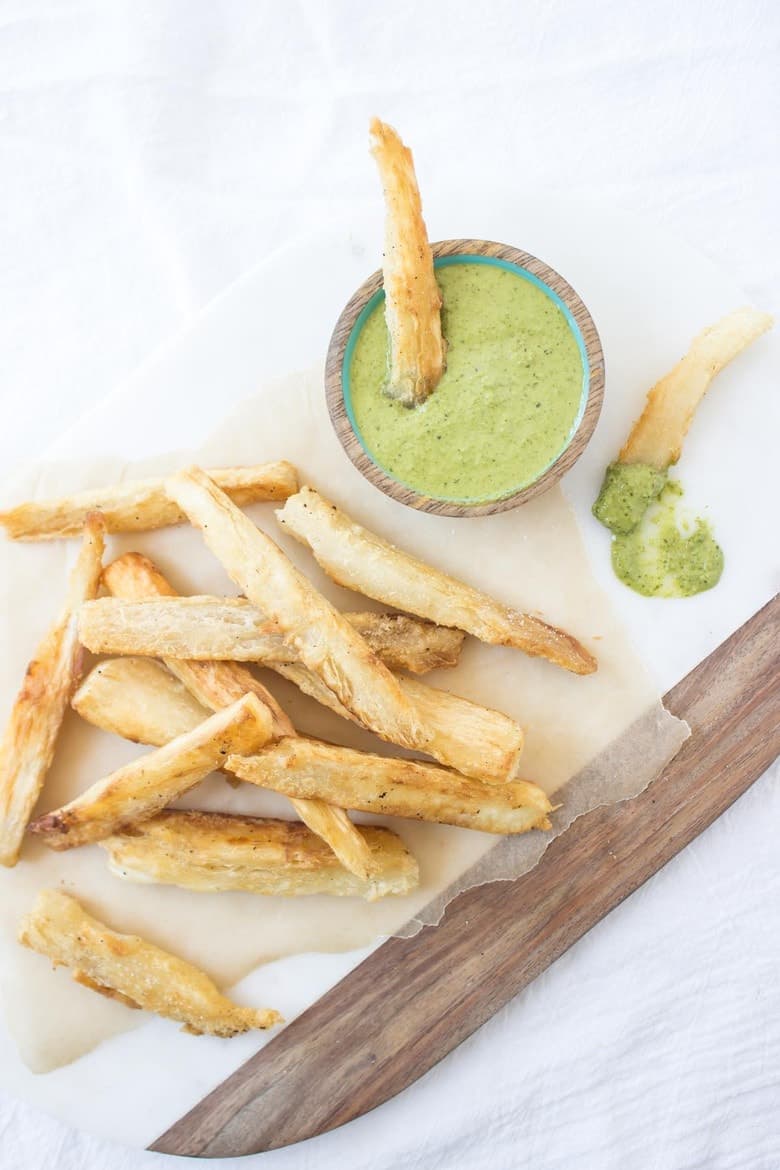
440	986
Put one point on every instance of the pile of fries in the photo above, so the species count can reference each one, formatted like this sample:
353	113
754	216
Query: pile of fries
178	677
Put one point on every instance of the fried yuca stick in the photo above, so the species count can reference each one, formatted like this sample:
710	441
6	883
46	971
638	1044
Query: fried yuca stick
473	739
316	632
362	561
214	851
138	699
216	684
146	785
136	972
657	436
28	743
401	788
139	505
201	628
412	296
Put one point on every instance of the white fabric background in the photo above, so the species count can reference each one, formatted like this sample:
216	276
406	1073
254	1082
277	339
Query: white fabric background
152	151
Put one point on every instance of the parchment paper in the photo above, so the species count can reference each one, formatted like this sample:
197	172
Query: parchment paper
575	727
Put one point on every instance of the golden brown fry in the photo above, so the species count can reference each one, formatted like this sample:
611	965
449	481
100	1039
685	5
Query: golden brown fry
137	973
202	628
215	684
412	296
213	851
146	785
138	699
475	740
657	436
401	788
139	505
362	561
315	632
27	747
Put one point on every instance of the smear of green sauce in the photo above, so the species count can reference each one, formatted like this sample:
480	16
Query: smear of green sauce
664	553
506	406
627	492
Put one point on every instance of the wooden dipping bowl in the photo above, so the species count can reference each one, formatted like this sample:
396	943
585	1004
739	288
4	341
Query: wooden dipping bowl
580	322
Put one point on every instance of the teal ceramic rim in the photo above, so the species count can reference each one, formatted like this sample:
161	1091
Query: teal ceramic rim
446	262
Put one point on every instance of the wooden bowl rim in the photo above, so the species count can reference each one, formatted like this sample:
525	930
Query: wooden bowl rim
355	450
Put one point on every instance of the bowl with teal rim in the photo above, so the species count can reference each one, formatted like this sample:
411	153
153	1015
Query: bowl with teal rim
562	327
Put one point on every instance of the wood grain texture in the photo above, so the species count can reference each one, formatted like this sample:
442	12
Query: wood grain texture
342	1059
363	461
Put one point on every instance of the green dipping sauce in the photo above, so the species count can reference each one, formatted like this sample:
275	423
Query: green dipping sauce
507	405
656	550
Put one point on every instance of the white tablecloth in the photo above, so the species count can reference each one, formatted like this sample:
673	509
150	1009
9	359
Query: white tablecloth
154	150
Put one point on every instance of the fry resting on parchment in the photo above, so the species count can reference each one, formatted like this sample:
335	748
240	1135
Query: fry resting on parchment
133	971
27	748
138	699
146	785
142	504
360	560
316	633
215	684
463	735
657	436
474	740
401	788
214	851
412	296
200	628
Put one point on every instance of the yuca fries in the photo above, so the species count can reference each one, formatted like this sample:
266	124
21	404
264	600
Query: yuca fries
412	296
473	739
137	973
213	851
216	684
139	505
202	628
657	436
30	736
316	632
362	561
146	785
138	699
401	788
